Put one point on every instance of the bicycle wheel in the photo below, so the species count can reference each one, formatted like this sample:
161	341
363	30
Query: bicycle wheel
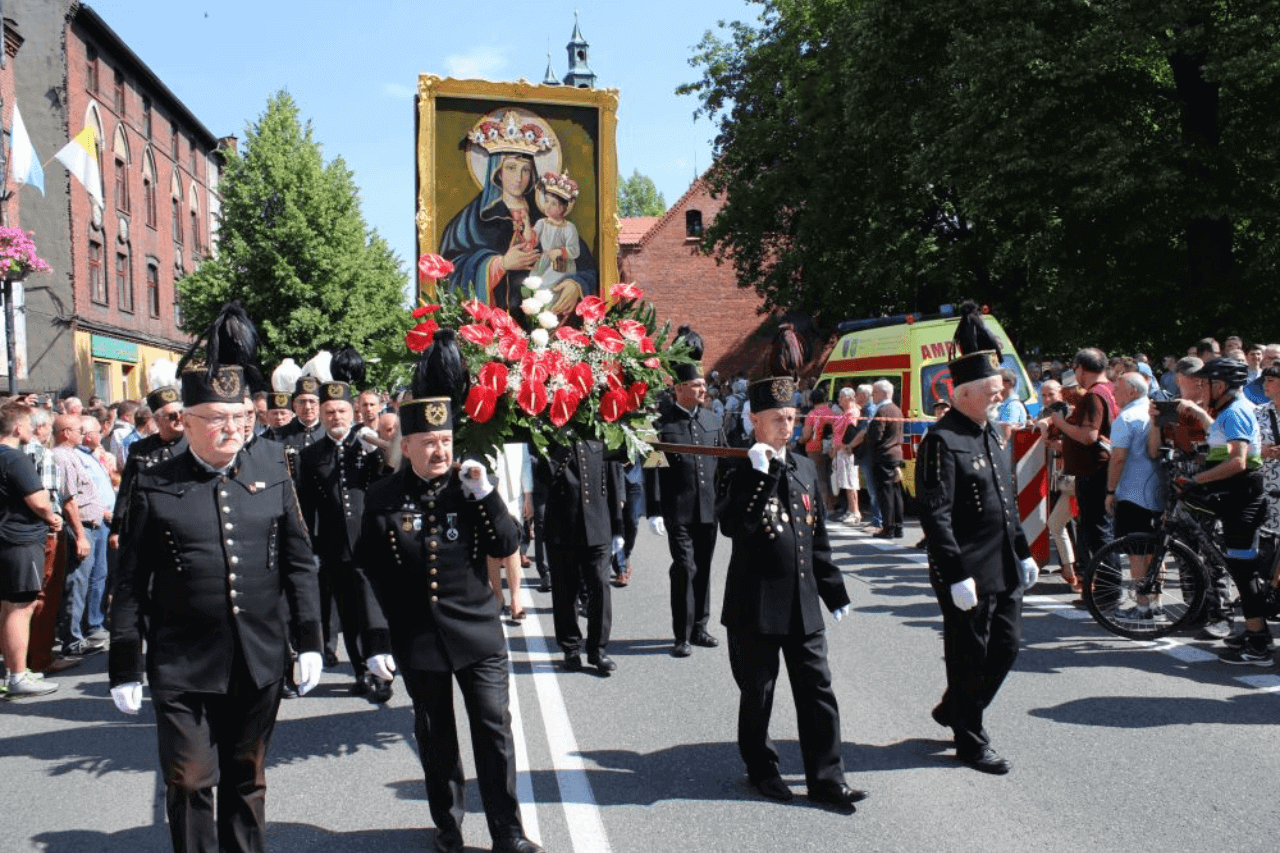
1175	583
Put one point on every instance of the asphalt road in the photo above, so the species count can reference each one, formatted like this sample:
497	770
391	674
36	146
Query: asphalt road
1115	744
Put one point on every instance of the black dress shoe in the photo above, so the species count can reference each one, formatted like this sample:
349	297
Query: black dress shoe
447	842
289	690
885	533
702	638
837	794
602	662
516	845
986	761
379	690
572	661
681	650
362	685
775	789
941	716
330	659
544	585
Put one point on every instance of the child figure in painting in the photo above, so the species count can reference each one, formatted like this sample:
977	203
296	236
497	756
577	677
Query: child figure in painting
557	236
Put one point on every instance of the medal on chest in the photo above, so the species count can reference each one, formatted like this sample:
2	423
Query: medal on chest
452	533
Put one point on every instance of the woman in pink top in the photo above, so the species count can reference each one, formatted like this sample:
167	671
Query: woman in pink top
844	468
814	442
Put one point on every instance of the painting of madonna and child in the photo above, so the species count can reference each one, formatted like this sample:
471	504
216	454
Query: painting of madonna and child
515	203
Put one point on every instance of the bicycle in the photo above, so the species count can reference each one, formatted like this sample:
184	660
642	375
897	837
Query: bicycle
1175	585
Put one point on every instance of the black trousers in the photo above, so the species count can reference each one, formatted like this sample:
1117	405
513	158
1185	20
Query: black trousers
572	567
1094	528
888	493
484	694
754	660
220	740
692	547
340	610
980	646
540	531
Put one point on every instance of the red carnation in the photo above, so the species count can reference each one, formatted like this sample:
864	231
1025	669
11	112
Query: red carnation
632	330
477	334
433	266
573	336
580	379
512	346
481	401
420	336
563	405
637	393
423	310
591	309
609	340
477	309
532	397
624	290
494	377
613	404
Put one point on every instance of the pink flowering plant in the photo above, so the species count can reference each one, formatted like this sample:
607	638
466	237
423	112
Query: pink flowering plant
592	374
18	253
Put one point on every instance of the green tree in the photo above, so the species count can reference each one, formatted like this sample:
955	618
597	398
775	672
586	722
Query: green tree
639	196
1097	172
294	248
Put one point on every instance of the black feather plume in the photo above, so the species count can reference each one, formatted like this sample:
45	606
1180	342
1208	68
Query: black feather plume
692	340
231	339
440	371
347	366
971	333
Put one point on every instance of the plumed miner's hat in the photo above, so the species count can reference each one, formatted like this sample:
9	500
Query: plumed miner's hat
283	380
690	372
162	384
776	392
314	373
440	382
346	370
230	346
979	355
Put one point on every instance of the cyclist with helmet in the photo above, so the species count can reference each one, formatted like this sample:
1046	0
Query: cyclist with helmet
1231	486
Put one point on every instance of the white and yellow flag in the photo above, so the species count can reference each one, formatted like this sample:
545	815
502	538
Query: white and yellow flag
80	156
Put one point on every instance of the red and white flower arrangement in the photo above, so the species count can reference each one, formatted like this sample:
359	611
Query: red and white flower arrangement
593	374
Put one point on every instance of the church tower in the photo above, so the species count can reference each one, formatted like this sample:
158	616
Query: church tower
550	79
580	75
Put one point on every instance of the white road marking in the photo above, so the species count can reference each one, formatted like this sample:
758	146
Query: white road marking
524	782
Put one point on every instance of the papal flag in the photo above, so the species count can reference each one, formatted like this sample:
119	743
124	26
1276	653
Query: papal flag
80	156
26	163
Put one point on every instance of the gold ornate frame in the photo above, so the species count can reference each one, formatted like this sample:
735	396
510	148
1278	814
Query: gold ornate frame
522	92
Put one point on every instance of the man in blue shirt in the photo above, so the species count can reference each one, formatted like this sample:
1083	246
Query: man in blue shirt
1133	485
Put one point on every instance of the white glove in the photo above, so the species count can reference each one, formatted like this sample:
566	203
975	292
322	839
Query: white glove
1030	572
309	666
965	594
363	437
128	697
840	612
474	481
383	666
760	454
618	544
658	526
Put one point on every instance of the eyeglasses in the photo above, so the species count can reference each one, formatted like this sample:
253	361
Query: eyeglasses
173	417
220	421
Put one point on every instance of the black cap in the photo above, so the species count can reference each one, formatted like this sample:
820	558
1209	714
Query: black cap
777	392
230	345
163	397
974	366
225	385
690	372
306	385
336	391
279	400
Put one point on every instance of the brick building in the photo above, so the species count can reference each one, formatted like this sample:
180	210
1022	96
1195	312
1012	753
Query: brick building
109	307
687	287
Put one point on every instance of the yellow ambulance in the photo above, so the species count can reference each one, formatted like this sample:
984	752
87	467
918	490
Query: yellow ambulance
911	351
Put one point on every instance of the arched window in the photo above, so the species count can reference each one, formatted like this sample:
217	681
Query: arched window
149	187
91	117
197	235
175	193
120	158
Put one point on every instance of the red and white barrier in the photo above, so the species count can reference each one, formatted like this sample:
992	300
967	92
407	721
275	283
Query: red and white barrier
1032	479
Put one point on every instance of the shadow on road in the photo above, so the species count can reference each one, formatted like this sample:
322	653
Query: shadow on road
280	836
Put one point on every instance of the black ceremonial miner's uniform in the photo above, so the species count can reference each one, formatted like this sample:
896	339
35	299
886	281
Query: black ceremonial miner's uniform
332	479
423	546
970	517
143	454
294	436
209	565
684	495
585	495
780	576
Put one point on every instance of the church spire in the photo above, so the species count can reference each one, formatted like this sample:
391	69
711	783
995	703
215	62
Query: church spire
580	74
550	79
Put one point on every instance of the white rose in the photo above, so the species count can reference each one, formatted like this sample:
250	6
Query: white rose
544	296
531	306
539	338
548	320
533	282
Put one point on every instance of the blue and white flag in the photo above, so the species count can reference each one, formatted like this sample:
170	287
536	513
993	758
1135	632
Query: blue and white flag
26	164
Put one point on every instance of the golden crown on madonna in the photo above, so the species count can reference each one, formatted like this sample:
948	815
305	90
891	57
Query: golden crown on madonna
510	136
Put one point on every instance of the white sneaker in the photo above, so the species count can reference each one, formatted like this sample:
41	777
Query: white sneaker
28	684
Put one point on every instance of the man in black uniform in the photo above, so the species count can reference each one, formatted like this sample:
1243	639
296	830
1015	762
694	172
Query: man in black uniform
333	474
979	562
583	524
214	553
780	576
168	441
426	536
681	502
305	429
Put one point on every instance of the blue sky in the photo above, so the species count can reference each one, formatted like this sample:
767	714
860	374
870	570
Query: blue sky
353	69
